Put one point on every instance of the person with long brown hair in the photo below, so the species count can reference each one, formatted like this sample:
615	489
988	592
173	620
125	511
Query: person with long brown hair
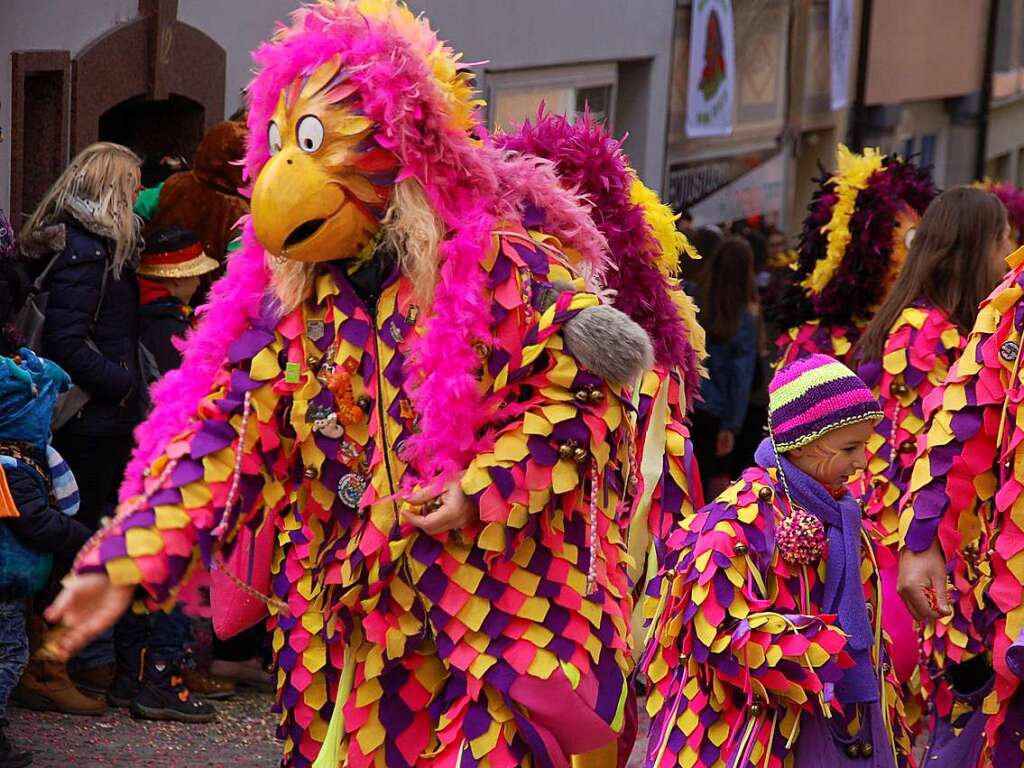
730	309
954	261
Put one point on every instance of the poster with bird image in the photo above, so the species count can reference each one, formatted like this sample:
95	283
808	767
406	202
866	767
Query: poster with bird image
712	74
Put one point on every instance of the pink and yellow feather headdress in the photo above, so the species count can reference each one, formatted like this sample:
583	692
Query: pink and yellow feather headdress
419	95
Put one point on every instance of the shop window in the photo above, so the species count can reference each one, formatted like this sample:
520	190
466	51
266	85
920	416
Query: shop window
926	158
516	96
598	99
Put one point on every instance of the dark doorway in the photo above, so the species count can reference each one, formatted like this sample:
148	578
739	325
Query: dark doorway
155	128
39	136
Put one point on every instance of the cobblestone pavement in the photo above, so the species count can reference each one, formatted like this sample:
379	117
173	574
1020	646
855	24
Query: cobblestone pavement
241	737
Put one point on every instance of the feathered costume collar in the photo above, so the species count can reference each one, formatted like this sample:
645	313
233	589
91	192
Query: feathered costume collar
419	95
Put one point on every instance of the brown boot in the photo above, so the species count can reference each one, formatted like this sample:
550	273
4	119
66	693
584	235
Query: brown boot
207	686
95	679
46	687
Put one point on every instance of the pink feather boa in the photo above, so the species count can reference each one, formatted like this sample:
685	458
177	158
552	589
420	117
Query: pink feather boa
470	185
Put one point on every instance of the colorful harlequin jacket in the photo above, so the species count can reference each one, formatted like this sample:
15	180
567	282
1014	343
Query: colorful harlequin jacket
739	647
919	350
668	489
966	494
812	338
440	637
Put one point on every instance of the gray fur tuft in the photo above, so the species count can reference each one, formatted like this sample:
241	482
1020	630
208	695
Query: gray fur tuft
609	344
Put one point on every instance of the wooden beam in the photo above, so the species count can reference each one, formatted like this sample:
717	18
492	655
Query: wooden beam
162	16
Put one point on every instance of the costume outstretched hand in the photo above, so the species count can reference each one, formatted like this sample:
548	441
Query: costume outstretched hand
88	605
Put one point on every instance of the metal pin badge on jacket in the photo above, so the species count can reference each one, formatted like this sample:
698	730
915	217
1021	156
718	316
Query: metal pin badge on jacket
314	330
1009	351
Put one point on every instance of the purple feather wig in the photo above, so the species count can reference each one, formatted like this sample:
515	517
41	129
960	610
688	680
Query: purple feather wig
859	283
591	163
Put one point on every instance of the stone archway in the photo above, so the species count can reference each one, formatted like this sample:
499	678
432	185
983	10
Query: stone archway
154	60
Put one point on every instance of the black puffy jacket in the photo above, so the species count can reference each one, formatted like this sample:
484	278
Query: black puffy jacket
38	524
111	376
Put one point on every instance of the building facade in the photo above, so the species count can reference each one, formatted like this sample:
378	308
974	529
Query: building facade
154	74
913	89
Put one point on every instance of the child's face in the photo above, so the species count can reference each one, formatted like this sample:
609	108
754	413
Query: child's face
836	456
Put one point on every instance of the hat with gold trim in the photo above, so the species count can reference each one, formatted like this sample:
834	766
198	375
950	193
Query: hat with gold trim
175	252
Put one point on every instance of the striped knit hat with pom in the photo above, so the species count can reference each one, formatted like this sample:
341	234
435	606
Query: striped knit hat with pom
815	395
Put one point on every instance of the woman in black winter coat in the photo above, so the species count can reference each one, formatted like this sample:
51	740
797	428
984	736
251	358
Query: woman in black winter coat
84	235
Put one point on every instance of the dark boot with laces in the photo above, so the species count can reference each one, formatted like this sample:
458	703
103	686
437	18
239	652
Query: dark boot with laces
10	755
163	696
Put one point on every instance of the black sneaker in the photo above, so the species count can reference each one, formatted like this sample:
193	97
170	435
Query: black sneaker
163	696
124	688
11	756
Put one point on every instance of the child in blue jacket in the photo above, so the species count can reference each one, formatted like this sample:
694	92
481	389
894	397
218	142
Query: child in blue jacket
33	527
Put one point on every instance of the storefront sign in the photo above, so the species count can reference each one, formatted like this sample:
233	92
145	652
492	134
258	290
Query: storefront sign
840	40
711	84
689	183
756	193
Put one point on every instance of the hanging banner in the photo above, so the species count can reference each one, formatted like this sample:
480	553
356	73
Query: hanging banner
711	84
840	41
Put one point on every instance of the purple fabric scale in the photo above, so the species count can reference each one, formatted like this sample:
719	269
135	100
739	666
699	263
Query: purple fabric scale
817	746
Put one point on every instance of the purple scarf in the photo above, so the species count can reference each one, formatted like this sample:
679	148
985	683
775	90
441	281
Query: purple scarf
844	594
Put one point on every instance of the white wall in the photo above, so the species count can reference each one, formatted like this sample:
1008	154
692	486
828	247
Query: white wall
509	34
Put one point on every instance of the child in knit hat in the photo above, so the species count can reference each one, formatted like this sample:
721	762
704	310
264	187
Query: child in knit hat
765	649
33	525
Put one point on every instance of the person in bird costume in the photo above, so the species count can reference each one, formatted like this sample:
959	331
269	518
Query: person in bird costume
644	248
409	374
854	241
961	534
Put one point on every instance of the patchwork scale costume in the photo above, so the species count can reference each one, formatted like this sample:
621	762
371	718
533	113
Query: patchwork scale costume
965	494
853	244
918	353
645	249
920	349
748	656
322	386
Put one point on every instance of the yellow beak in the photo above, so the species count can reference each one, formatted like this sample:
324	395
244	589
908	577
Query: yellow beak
295	204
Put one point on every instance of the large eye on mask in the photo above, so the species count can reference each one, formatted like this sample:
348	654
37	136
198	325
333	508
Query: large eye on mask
908	236
274	138
309	133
